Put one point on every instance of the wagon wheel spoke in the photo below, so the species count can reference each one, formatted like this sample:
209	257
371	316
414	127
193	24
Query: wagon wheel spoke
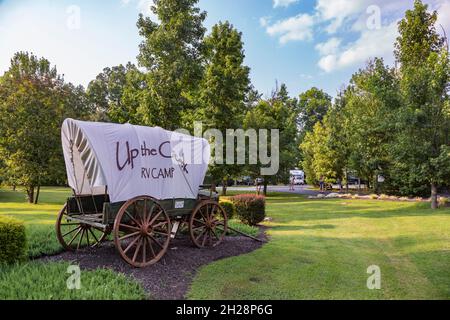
163	223
198	227
155	218
75	236
129	235
156	241
151	247
131	245
208	224
215	234
81	239
93	234
137	249
129	227
142	231
132	218
144	250
201	222
71	231
87	236
204	238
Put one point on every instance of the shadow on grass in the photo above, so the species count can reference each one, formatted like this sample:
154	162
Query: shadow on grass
339	209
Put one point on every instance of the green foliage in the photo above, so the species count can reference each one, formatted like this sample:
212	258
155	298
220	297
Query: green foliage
12	241
420	149
116	94
250	208
48	281
244	228
171	52
278	113
34	100
313	105
229	207
390	122
223	88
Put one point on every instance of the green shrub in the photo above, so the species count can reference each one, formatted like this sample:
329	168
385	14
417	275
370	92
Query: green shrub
229	207
250	208
13	244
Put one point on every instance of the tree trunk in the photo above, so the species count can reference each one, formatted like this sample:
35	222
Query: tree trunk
30	194
14	187
36	199
224	187
265	188
346	180
434	197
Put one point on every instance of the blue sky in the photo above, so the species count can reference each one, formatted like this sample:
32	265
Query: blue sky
299	42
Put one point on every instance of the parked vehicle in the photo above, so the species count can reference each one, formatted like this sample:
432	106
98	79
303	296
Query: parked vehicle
132	182
298	177
259	181
245	181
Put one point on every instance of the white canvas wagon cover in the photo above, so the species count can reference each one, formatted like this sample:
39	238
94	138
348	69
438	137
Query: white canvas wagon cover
133	160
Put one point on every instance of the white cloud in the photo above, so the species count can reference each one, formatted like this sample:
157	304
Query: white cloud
297	28
337	11
443	9
144	7
329	47
283	3
264	21
372	43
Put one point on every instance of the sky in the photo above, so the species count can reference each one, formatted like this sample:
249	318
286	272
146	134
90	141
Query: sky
302	43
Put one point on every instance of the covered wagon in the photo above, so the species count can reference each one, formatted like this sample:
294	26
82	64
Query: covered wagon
137	185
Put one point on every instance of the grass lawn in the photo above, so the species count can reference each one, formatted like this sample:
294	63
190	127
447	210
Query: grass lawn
321	249
48	281
39	219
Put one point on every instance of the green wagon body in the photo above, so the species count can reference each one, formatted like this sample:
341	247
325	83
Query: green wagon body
99	211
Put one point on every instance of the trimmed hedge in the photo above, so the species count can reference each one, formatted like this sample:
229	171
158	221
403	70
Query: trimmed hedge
250	208
13	244
229	207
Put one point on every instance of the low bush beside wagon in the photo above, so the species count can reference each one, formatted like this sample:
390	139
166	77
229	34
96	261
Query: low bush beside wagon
13	244
250	208
229	208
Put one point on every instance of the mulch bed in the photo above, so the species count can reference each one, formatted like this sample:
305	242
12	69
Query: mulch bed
170	278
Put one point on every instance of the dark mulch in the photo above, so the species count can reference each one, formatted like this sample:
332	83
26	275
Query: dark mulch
171	277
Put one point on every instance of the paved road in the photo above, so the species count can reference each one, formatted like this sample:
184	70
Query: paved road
305	190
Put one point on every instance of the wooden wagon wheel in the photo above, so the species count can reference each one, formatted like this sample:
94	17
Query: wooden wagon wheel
208	224
142	231
74	235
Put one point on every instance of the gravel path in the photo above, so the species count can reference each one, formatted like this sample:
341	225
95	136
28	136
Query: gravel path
171	277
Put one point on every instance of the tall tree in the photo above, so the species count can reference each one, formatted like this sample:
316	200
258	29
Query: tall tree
32	102
171	52
276	113
224	87
313	105
371	102
423	143
116	94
